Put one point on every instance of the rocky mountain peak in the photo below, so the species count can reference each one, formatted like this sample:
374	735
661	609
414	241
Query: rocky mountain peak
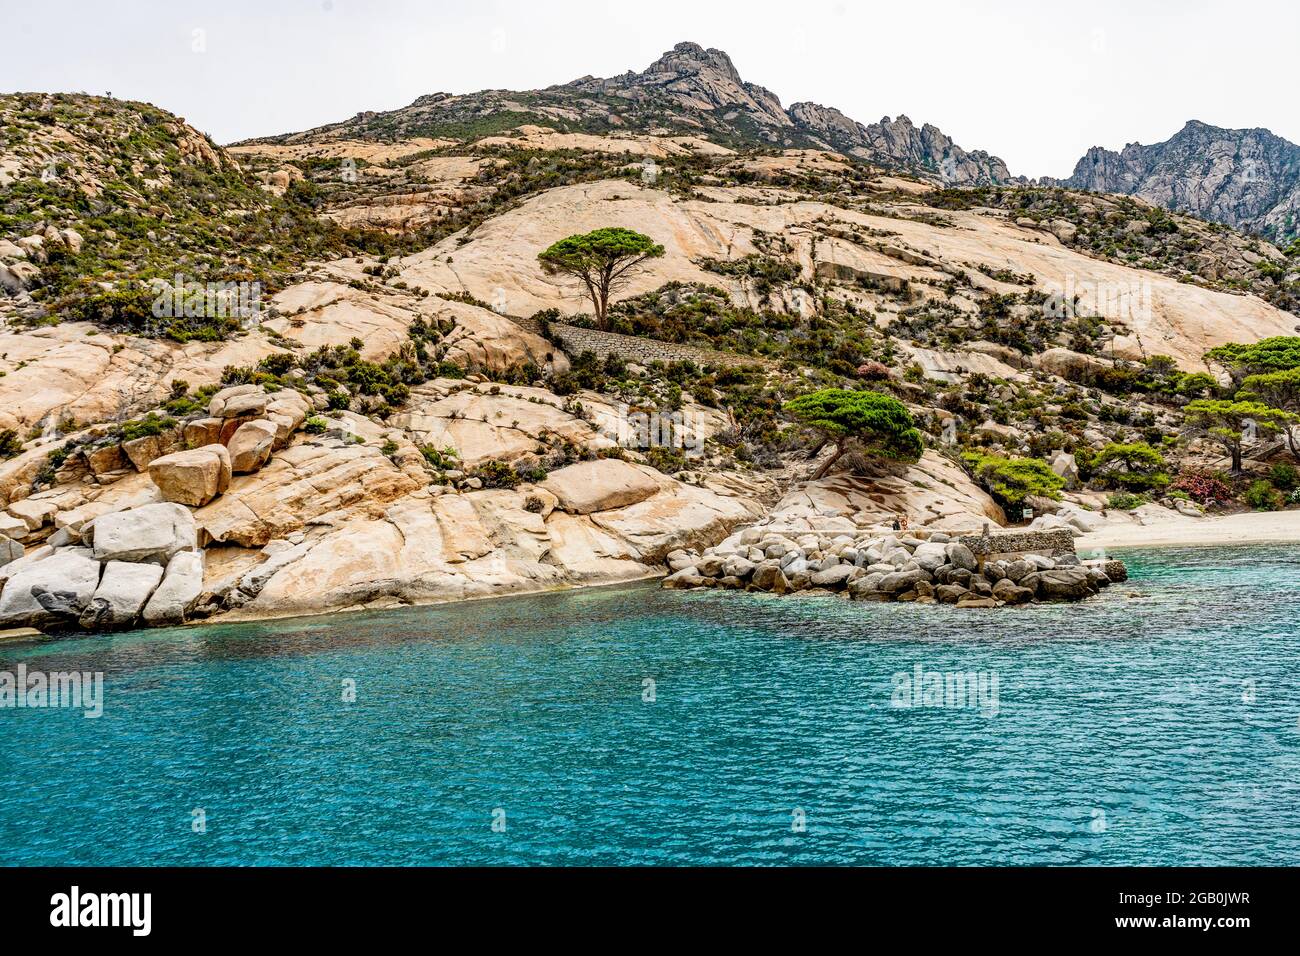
1248	178
696	78
692	90
687	58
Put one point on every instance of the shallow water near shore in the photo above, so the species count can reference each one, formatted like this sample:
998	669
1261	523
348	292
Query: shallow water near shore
1158	723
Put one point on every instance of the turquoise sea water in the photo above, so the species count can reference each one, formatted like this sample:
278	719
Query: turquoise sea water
1156	724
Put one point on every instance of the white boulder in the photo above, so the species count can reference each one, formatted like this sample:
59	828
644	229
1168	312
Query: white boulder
70	571
152	533
121	595
180	588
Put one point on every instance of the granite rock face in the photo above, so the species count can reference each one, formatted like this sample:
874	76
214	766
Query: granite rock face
181	585
897	142
1248	178
593	486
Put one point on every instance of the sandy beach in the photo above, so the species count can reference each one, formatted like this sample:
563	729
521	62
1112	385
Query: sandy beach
1153	527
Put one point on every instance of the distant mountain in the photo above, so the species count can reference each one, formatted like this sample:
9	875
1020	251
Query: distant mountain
1247	178
687	91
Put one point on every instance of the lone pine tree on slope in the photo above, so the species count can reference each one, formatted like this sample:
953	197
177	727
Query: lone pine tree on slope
603	260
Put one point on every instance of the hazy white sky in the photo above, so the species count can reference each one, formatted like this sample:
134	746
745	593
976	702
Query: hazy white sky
1036	83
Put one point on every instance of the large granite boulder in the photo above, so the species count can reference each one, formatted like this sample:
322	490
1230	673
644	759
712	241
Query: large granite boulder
768	576
192	477
121	595
217	404
152	533
12	526
35	513
738	567
180	589
1009	592
144	451
592	486
902	581
251	445
950	593
10	550
106	459
834	577
930	556
72	572
287	410
1061	584
961	556
202	431
685	578
245	404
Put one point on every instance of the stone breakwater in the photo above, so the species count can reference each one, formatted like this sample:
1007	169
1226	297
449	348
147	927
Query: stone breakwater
925	566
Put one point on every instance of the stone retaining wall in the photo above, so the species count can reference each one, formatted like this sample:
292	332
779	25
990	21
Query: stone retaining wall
632	348
991	545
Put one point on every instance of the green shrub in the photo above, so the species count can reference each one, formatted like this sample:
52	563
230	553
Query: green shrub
10	443
497	474
315	425
1011	480
1125	501
1262	496
1284	477
666	459
146	427
442	459
1133	467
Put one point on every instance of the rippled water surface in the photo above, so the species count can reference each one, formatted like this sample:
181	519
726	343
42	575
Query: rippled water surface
1156	724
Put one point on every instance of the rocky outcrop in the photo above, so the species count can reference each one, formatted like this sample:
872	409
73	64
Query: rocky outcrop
1183	320
123	590
423	547
697	78
604	485
897	142
67	580
304	482
1248	178
72	370
144	566
934	492
193	477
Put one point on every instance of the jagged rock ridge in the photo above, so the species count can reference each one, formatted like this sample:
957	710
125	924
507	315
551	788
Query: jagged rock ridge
1247	178
689	90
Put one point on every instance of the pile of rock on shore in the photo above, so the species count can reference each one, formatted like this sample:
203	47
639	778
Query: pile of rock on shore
924	566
